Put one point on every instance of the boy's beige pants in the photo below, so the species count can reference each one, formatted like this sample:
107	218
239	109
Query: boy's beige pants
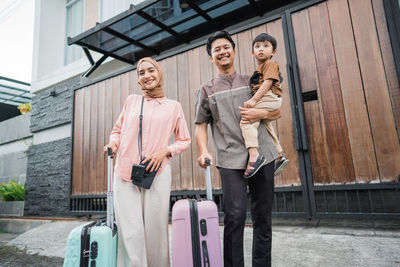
269	102
142	220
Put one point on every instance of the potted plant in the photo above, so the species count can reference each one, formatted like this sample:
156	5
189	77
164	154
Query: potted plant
24	108
13	196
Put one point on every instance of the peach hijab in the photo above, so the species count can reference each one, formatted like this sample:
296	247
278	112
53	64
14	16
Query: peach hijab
157	91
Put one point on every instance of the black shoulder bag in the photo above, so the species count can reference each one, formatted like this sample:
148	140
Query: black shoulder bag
140	176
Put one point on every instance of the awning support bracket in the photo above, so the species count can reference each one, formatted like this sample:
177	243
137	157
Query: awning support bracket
88	55
94	66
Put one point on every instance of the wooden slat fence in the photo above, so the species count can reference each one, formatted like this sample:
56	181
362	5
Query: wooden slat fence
344	56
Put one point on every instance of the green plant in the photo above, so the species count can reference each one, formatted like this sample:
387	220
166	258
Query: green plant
24	108
12	191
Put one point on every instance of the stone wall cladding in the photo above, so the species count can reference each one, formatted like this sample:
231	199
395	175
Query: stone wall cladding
48	179
48	110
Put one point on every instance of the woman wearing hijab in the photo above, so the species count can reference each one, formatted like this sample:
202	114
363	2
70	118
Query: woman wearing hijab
142	214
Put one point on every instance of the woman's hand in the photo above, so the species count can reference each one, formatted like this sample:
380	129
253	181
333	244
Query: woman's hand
156	159
113	147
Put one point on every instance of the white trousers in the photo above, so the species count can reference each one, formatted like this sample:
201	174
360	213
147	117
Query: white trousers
142	219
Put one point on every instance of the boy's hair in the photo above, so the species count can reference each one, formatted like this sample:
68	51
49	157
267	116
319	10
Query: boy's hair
264	37
219	35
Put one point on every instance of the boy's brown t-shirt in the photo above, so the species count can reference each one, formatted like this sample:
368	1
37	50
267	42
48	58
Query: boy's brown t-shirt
267	70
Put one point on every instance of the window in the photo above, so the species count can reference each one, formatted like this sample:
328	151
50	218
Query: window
111	8
74	26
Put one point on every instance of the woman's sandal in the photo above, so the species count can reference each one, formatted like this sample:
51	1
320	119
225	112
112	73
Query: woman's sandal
256	166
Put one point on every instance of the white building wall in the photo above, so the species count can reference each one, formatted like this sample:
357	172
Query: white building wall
49	47
49	37
48	69
111	8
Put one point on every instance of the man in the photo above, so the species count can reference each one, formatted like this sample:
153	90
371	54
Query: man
219	103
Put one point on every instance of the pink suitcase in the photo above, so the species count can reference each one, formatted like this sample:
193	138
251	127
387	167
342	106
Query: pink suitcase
195	231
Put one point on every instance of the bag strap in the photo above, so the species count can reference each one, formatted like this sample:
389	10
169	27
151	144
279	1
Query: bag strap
140	131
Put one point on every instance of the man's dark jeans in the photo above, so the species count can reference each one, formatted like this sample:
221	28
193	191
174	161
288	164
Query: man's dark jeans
234	188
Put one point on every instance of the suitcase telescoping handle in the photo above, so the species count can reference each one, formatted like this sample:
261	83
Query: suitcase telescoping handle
208	180
110	207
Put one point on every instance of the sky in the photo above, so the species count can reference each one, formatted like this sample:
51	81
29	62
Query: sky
16	38
16	35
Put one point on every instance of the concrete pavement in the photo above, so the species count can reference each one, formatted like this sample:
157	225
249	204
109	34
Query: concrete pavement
292	245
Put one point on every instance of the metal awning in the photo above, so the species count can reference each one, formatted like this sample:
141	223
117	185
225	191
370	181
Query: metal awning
14	92
155	26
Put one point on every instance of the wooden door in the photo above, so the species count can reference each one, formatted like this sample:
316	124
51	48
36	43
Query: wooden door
345	83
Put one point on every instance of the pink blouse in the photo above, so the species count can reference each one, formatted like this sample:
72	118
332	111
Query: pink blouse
162	117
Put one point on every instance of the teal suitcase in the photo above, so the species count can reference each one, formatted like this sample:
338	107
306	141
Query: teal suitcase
95	244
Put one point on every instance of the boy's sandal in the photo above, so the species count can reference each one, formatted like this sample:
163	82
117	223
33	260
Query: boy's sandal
280	165
256	166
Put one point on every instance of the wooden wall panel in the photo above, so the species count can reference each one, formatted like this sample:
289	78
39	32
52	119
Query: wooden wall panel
77	143
315	123
86	141
236	63
170	70
352	122
375	87
93	138
124	89
101	180
304	51
187	102
246	61
360	136
109	123
332	103
194	85
133	83
388	60
321	167
284	127
116	98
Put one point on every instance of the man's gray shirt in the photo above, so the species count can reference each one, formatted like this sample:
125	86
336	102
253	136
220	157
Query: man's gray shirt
218	103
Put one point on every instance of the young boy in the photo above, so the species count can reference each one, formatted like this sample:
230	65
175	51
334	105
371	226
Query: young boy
267	92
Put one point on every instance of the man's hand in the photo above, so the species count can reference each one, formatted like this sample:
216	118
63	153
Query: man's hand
113	147
156	159
250	115
202	159
250	103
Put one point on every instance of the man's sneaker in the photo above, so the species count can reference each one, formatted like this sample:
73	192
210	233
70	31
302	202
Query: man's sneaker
256	166
280	165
